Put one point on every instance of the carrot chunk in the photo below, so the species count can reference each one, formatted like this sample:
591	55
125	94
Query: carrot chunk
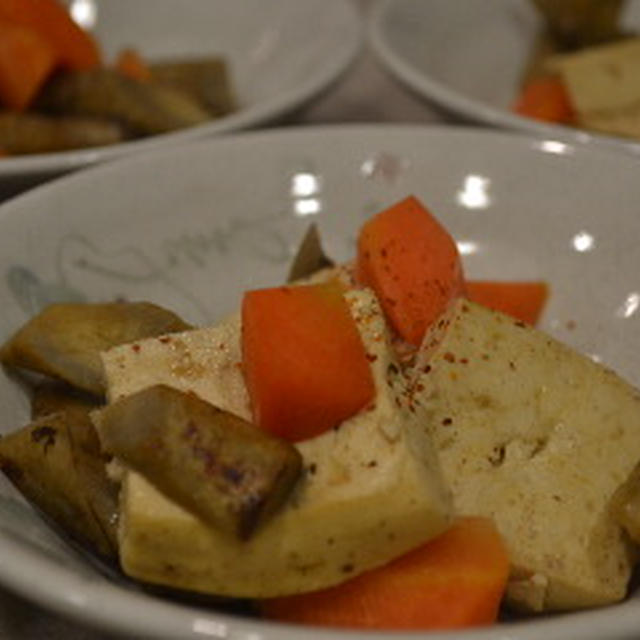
26	60
412	263
523	300
545	98
76	48
131	64
303	359
455	580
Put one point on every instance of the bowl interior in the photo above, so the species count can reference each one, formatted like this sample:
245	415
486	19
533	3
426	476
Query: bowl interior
192	228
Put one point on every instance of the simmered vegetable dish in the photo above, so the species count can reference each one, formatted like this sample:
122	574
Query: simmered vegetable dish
381	444
583	70
57	92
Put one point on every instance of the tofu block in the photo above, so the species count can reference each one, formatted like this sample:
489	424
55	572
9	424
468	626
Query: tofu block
537	437
604	86
372	489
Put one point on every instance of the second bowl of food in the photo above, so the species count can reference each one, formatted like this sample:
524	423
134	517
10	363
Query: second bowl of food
91	80
559	69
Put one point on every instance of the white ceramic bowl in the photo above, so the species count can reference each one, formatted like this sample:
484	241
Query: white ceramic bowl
191	228
468	58
281	54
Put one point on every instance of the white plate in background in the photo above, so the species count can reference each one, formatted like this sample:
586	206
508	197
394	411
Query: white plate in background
192	227
281	53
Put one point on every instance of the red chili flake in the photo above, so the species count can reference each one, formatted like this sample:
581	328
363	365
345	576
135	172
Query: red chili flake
447	421
464	360
426	369
419	387
449	357
372	357
520	324
135	347
164	339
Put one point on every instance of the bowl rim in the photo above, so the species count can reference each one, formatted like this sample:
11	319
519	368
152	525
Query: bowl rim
462	105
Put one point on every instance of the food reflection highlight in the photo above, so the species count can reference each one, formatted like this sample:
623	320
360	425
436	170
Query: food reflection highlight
84	13
474	193
630	306
305	189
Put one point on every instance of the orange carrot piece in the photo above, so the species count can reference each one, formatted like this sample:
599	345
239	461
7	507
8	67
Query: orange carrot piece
455	580
131	64
77	49
26	60
303	359
412	263
545	98
523	300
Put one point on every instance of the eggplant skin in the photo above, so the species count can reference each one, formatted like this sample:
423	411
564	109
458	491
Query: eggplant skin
226	471
25	133
144	108
575	24
58	466
205	79
64	340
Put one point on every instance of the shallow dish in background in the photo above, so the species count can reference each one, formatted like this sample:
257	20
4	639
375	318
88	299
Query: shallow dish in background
192	227
468	58
281	54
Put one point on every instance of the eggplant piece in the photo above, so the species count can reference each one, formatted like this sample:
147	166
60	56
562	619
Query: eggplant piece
310	256
575	24
64	341
25	133
206	80
224	470
51	396
57	464
145	108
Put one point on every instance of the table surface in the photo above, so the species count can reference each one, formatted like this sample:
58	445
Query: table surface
366	93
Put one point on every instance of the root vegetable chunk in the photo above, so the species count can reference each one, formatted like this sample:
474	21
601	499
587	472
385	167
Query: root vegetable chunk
455	580
304	362
409	259
26	60
50	19
523	300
